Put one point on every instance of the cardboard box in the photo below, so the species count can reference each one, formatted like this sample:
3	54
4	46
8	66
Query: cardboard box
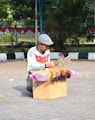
50	89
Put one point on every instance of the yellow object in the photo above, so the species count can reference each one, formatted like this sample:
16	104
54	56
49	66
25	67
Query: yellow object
57	71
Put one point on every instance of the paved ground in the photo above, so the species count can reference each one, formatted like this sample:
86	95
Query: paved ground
16	102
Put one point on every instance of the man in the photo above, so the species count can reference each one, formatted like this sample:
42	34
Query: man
38	57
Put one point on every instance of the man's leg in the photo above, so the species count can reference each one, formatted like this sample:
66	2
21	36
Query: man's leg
29	84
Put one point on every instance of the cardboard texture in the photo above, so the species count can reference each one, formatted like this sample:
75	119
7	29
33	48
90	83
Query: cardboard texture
50	89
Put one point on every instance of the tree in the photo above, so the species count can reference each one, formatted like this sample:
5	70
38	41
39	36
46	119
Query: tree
3	9
23	9
66	19
62	18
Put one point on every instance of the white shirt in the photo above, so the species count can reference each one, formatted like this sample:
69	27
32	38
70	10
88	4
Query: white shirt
36	60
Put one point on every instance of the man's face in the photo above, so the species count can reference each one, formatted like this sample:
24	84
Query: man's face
42	47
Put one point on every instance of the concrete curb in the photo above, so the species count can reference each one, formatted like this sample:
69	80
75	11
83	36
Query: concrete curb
54	55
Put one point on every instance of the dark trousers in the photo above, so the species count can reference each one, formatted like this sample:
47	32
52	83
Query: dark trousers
29	83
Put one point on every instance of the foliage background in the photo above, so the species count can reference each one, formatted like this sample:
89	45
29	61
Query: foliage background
66	21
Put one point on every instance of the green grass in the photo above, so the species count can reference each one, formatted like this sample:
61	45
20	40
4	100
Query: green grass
83	49
4	49
30	42
7	37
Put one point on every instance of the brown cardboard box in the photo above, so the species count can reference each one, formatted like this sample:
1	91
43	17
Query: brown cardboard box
50	89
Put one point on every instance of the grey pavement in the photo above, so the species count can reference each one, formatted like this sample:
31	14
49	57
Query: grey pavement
16	102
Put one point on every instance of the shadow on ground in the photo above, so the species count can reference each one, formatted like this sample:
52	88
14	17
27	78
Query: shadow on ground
23	91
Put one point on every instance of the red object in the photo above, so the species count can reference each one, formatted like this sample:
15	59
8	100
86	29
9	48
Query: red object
42	59
10	29
3	29
92	30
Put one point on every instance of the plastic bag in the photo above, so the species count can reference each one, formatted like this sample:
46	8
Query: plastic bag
74	73
62	59
53	74
41	75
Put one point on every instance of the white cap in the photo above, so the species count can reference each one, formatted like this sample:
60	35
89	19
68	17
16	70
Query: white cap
45	39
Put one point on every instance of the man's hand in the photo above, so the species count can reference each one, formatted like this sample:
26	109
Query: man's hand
52	64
